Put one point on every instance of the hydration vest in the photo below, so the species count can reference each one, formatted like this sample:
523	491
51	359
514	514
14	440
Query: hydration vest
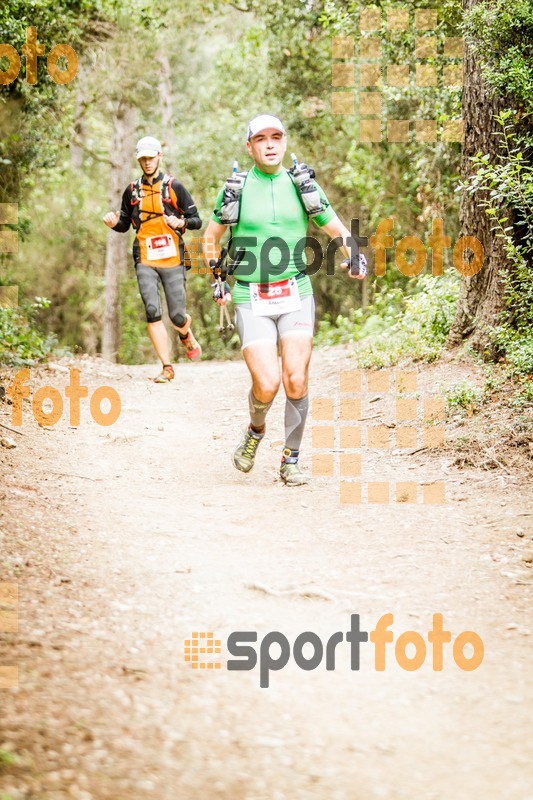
137	195
138	192
306	189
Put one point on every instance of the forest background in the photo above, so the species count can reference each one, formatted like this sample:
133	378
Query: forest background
194	74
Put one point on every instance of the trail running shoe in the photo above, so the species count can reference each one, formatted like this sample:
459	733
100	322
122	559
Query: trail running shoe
244	455
194	351
166	375
292	475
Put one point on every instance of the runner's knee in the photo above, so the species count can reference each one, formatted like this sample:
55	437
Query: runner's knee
295	381
152	313
266	387
179	320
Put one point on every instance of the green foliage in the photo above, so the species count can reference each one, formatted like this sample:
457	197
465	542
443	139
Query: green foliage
505	190
507	184
502	36
397	326
8	759
21	342
518	349
135	346
411	180
524	398
31	128
206	320
513	334
226	66
464	396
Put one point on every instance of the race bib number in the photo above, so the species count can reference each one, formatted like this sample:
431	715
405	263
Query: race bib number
275	298
160	247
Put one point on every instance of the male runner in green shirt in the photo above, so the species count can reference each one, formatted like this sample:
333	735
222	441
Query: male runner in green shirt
274	298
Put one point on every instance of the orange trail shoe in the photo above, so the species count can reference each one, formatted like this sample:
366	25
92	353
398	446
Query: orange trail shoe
194	351
166	375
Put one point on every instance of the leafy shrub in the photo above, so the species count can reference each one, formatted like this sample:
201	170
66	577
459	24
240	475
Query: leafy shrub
464	396
502	34
397	326
21	342
499	186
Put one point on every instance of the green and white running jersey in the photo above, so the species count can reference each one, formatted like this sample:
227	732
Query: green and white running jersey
272	224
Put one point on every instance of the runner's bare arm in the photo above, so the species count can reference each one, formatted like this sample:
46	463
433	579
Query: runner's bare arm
211	241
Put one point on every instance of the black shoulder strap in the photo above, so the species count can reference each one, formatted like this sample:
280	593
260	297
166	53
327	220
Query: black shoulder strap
297	190
166	197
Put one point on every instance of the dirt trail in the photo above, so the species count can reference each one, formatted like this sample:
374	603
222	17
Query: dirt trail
125	540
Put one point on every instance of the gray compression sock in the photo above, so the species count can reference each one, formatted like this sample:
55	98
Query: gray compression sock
258	411
295	416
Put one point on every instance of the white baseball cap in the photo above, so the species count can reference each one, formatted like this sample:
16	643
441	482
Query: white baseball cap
148	146
262	122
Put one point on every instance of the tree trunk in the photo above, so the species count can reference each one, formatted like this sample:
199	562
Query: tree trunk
481	295
169	148
165	99
79	129
117	247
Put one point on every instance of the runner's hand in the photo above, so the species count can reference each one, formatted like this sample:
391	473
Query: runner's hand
223	301
174	222
356	267
111	218
220	296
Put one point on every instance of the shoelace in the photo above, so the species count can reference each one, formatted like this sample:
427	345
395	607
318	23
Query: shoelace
251	445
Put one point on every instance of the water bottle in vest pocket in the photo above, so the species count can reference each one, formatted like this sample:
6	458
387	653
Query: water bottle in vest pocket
302	178
231	200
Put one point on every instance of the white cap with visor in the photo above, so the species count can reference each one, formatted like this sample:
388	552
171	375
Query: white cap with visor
262	122
148	146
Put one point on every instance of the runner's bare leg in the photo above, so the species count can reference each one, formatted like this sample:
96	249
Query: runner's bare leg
295	357
159	338
262	361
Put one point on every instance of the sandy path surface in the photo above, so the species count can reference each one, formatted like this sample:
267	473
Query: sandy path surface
125	540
